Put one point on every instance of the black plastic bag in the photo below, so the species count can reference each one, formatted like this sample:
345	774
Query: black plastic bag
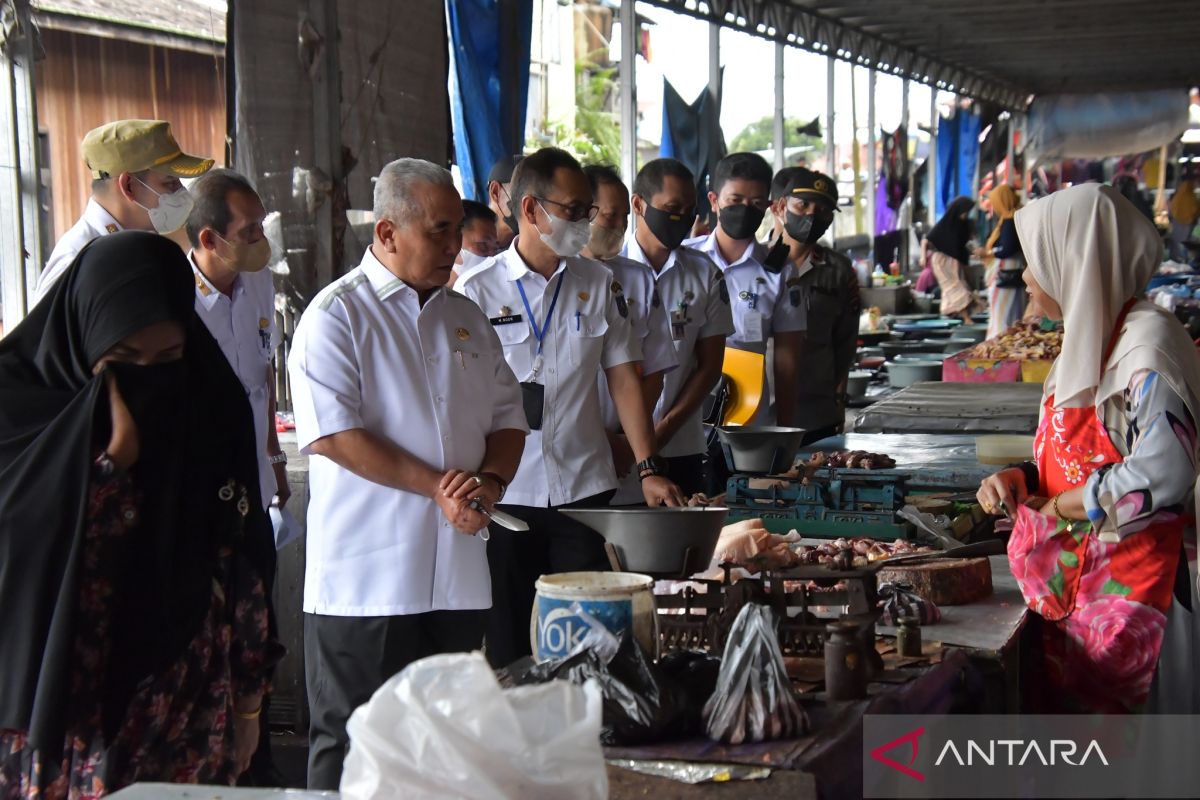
694	676
640	705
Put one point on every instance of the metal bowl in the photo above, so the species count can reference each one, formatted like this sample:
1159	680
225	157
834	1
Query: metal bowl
893	349
761	450
657	541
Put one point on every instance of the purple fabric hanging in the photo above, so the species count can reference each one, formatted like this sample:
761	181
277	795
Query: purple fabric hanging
885	217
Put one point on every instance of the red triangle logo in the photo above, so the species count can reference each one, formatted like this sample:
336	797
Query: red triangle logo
909	738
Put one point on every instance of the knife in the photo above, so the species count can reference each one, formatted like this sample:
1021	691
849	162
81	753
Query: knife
500	518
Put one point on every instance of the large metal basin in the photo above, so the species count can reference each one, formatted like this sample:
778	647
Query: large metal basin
657	541
763	450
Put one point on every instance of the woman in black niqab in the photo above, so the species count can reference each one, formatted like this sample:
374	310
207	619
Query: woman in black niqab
132	613
945	252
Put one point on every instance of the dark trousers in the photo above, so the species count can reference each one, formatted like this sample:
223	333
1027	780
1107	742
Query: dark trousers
553	543
688	473
347	658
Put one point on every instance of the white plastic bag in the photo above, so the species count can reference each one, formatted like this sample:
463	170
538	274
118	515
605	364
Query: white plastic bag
443	728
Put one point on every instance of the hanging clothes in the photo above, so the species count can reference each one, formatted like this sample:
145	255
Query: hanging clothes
692	133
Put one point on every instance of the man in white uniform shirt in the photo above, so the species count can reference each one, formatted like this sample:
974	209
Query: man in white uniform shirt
410	415
693	292
235	297
767	315
136	166
561	320
646	316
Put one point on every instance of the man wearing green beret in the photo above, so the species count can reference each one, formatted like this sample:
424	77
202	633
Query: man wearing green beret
136	167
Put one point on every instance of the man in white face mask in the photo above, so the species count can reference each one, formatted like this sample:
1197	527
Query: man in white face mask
561	319
479	238
136	167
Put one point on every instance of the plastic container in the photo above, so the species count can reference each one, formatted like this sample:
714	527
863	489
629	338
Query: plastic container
621	601
857	382
905	372
1003	449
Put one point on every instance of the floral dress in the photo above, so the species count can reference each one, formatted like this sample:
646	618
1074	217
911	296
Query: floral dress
1104	586
179	725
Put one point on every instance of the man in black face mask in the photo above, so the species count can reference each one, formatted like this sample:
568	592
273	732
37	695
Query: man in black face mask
825	284
768	320
693	292
499	199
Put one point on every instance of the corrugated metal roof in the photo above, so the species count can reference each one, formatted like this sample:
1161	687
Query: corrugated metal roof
1003	50
196	19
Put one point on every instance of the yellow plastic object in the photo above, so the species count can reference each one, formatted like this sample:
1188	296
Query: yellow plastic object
1035	371
745	372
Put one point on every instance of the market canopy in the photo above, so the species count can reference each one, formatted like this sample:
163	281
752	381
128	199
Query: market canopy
999	51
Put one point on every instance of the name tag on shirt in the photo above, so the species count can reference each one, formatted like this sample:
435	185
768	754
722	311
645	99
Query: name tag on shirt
752	325
507	320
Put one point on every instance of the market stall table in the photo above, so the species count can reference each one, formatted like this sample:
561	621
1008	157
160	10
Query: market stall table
935	461
937	407
988	630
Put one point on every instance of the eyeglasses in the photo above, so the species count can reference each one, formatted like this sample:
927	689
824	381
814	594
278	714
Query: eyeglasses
574	213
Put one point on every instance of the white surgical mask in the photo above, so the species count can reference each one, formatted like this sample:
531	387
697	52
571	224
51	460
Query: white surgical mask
605	242
172	211
566	238
469	259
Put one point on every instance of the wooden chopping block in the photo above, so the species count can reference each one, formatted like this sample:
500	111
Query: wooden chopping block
944	582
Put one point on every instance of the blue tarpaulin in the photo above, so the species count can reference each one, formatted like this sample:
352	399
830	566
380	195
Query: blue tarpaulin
480	98
957	157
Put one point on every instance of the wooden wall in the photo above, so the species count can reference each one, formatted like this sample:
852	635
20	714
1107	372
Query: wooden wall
85	81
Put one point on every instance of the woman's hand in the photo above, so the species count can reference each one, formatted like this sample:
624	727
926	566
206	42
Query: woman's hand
245	731
123	445
1005	489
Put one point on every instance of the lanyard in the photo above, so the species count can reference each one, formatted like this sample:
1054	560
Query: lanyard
540	335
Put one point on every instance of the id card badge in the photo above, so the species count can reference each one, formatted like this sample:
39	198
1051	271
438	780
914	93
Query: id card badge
752	327
679	320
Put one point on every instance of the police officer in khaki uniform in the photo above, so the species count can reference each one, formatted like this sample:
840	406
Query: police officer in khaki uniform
136	167
826	285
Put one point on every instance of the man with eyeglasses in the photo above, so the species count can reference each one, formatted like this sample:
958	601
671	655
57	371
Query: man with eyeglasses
499	199
827	285
560	320
768	319
136	166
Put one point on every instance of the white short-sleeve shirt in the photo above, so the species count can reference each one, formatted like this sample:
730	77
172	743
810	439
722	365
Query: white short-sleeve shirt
696	300
649	323
569	458
432	380
243	323
94	223
764	302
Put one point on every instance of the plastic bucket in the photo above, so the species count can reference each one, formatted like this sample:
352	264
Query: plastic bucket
621	601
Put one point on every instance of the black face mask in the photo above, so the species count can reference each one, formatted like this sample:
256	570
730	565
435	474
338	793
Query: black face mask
670	229
510	219
154	395
806	229
741	221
